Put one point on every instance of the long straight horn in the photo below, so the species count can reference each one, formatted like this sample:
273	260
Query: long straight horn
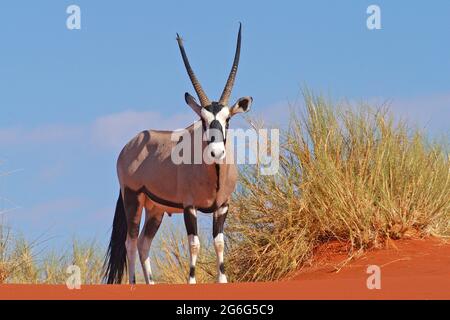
204	101
229	85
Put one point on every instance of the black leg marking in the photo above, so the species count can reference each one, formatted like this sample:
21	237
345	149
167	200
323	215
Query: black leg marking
219	221
131	205
152	226
190	220
222	268
192	272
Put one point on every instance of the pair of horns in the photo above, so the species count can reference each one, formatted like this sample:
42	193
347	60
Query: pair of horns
204	101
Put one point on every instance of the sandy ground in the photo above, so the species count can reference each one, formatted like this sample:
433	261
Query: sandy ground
410	269
405	258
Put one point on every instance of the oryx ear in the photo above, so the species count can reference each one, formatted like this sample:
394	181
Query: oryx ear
190	100
242	105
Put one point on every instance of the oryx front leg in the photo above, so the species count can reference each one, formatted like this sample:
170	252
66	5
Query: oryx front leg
219	243
190	221
152	222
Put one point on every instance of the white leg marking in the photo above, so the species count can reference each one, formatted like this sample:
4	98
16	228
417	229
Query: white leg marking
219	246
194	248
144	244
222	210
131	246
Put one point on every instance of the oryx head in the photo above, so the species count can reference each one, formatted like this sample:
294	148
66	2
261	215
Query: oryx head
215	115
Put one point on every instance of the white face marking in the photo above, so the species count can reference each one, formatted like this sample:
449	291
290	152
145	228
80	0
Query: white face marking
217	148
206	115
221	116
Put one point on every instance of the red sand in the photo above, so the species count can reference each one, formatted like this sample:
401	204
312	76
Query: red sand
406	258
410	269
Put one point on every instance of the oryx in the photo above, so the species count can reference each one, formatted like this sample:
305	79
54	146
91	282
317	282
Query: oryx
150	179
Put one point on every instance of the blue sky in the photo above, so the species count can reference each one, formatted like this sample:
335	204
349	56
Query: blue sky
69	99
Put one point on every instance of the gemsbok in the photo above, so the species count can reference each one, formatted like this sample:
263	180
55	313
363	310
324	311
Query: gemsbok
150	179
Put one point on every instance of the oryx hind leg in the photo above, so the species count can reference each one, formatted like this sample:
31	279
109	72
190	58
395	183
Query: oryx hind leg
219	217
153	219
190	221
133	204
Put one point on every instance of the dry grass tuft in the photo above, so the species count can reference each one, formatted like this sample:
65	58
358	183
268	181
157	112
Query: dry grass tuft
24	262
172	258
358	177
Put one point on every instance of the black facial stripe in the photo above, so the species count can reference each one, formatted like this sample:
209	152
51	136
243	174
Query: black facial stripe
214	108
217	135
215	124
203	124
218	130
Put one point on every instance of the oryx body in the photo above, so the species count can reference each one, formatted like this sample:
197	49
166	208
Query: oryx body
151	180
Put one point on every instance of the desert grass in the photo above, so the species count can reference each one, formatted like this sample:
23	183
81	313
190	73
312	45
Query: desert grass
171	259
350	174
22	261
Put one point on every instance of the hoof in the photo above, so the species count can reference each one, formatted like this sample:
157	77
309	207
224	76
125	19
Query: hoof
222	279
192	281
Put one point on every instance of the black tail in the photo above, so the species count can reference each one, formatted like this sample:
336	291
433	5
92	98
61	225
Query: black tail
116	257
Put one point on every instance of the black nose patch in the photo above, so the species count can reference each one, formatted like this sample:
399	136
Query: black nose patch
217	128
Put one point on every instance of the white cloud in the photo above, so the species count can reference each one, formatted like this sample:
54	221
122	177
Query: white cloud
431	113
48	133
51	210
9	135
114	130
108	131
52	172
